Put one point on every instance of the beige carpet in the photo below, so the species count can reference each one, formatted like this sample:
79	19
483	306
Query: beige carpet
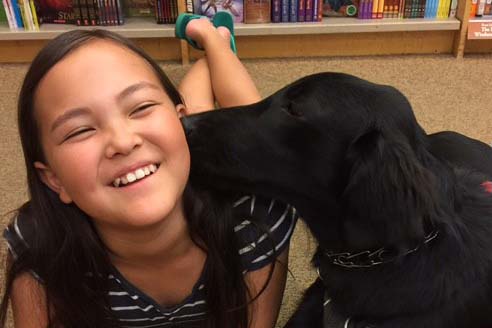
446	93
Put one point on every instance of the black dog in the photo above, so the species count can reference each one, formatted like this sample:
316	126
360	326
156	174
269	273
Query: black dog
403	219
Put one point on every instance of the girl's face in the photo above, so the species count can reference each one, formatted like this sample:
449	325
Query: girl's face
105	120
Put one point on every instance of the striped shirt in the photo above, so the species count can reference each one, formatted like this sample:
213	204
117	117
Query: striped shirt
134	308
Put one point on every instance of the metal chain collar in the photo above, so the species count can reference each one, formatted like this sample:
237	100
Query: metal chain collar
367	259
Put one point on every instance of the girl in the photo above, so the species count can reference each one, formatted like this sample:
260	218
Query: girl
114	233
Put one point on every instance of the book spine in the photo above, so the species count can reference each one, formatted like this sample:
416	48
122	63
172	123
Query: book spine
17	12
488	7
315	10
12	14
27	11
301	11
94	12
380	9
119	12
309	11
360	11
473	9
8	14
285	10
276	11
20	5
189	6
293	11
319	10
480	8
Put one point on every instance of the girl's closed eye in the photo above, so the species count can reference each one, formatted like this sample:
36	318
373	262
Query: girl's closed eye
78	134
143	110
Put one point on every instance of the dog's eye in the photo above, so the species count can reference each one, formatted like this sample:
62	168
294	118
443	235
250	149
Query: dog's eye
291	111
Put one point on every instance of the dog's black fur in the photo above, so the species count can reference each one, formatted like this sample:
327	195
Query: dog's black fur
351	157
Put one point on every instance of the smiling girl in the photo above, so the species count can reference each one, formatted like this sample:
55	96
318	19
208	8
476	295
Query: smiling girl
114	234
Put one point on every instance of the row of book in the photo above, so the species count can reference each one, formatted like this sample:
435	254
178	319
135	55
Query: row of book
30	14
20	14
481	8
279	11
375	9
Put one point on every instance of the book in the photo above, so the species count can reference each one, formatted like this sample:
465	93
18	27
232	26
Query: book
293	10
56	11
309	11
3	14
17	13
284	7
488	7
337	8
11	14
379	13
301	11
480	8
145	8
235	7
276	11
257	11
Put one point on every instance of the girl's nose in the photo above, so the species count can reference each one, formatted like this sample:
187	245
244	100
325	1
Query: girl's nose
122	140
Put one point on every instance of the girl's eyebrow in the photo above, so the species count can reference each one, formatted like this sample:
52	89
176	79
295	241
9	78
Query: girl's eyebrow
134	88
72	113
69	115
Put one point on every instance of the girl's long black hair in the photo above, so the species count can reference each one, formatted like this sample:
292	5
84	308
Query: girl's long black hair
65	250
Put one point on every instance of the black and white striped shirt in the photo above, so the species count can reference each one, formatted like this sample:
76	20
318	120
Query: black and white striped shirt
134	308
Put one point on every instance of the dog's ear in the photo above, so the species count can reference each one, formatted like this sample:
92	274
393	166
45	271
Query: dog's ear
389	195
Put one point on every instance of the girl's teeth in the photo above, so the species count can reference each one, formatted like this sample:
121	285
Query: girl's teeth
139	173
131	177
134	176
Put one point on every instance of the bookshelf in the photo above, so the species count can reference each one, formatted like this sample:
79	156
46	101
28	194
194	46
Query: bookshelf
331	37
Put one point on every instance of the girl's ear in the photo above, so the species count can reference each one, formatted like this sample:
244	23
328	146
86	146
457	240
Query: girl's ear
181	110
49	178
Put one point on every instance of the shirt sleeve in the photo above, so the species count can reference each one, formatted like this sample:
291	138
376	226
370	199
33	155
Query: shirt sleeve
264	229
16	243
16	235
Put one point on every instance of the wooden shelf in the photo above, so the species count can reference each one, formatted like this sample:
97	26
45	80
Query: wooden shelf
147	28
480	28
348	25
133	28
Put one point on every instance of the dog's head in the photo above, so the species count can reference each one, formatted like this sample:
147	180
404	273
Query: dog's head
330	144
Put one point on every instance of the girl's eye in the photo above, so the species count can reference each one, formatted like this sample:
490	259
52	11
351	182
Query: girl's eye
142	108
77	133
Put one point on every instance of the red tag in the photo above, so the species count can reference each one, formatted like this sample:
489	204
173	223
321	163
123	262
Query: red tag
487	185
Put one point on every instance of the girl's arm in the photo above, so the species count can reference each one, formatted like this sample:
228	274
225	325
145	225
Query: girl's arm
264	311
28	302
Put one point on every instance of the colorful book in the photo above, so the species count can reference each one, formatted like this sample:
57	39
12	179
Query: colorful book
3	13
234	7
56	11
257	11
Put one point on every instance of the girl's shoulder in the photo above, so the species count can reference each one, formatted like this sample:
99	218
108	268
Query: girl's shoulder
264	229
